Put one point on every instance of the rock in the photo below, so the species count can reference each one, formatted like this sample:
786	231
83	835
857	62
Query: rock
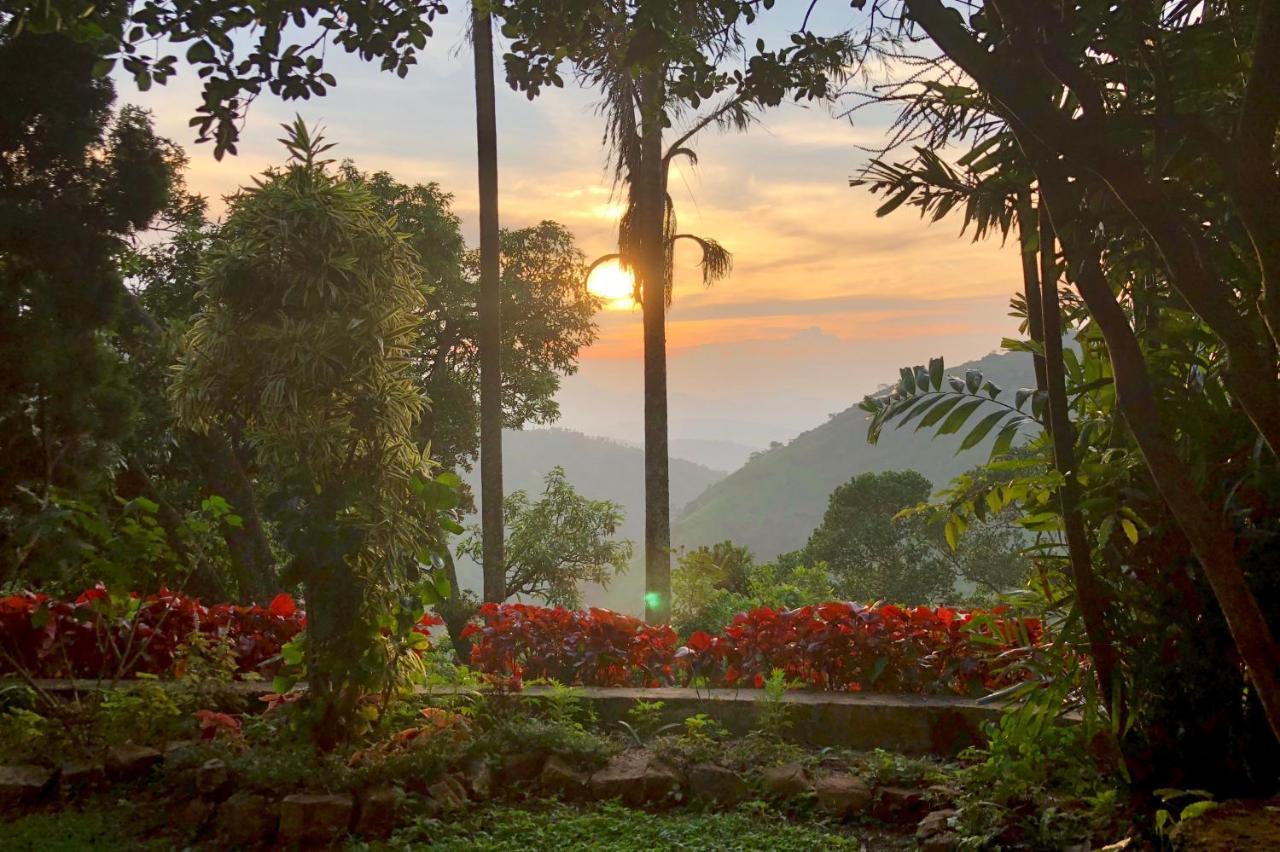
788	781
899	806
842	795
315	819
131	762
713	783
941	795
75	778
448	795
478	776
214	780
246	819
177	748
559	778
934	832
193	815
662	782
22	785
521	768
947	841
623	778
378	809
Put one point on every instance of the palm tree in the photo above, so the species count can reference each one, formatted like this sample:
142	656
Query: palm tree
489	309
647	236
657	63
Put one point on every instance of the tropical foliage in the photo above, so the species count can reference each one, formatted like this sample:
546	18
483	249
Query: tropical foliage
831	646
557	543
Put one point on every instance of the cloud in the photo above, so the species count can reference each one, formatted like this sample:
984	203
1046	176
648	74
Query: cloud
820	284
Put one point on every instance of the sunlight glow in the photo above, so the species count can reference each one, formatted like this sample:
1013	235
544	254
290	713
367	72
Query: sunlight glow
614	284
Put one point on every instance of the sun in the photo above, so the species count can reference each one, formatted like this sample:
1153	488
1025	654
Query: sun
613	284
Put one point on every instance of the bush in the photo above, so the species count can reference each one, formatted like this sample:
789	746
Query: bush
594	647
100	636
831	646
850	647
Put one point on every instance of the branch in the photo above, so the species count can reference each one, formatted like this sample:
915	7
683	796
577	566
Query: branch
1260	113
704	122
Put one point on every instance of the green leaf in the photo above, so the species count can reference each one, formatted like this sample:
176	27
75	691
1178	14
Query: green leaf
916	410
291	653
200	52
938	412
908	382
957	418
936	373
1004	440
980	431
1130	530
142	504
1196	809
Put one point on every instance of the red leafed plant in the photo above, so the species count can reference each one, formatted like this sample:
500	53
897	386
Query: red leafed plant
837	646
846	646
98	636
217	725
594	647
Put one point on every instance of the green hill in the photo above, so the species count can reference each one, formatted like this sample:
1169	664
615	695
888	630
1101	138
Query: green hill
601	469
778	497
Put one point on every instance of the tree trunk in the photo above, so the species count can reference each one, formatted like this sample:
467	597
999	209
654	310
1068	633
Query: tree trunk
455	615
247	544
489	310
134	481
334	645
1211	539
650	270
1090	596
1028	238
1022	99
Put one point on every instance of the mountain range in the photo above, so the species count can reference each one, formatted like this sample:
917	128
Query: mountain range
771	501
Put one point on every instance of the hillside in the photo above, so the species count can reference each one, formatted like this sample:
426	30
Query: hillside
598	468
776	499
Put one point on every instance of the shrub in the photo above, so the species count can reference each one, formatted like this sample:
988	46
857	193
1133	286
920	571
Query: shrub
832	646
850	647
594	647
97	635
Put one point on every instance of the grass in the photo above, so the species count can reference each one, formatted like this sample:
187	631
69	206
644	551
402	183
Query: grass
608	826
103	825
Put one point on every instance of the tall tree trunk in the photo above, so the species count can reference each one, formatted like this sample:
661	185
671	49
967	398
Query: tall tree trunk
134	481
650	271
489	309
1211	539
455	613
1021	97
1090	596
247	544
1028	239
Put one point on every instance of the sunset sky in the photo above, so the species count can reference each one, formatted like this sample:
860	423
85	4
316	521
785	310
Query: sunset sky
825	302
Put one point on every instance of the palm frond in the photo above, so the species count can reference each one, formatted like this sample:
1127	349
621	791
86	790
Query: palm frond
717	261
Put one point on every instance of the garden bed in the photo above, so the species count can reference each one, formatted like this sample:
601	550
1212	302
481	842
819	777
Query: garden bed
912	724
